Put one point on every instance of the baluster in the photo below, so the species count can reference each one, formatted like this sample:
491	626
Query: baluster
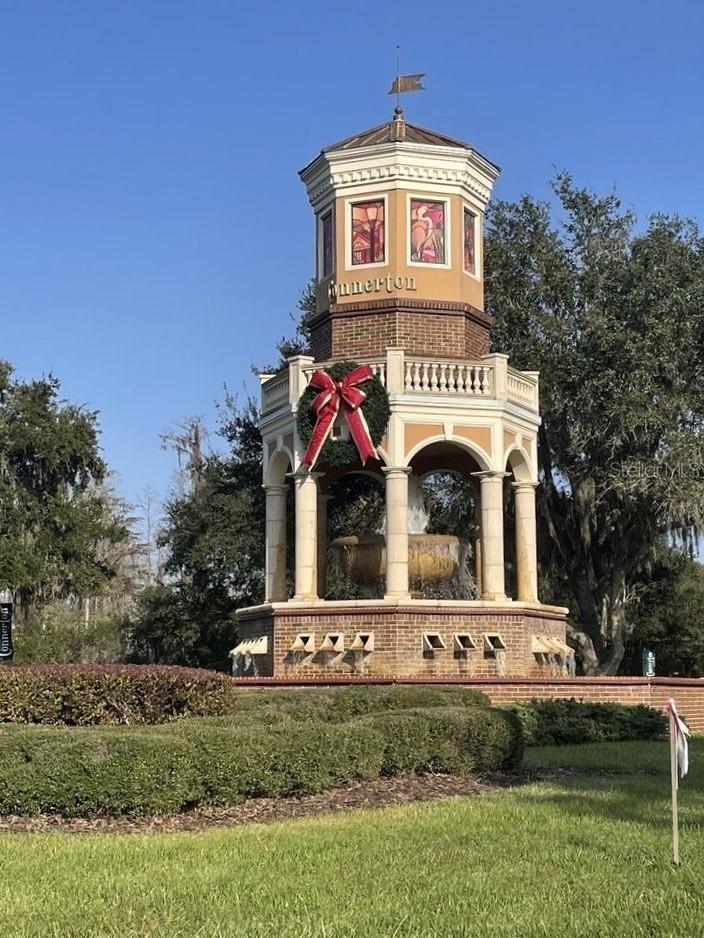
408	379
433	377
425	369
469	379
444	377
485	380
416	376
381	373
461	379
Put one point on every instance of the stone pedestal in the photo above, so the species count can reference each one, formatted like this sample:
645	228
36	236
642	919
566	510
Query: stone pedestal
398	631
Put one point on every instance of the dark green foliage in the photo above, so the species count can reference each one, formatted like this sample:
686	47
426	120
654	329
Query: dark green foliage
561	722
299	343
449	740
612	317
161	770
669	617
214	537
376	412
111	694
357	505
57	526
57	636
339	704
276	744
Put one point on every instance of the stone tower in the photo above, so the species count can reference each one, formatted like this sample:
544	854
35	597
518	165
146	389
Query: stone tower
399	218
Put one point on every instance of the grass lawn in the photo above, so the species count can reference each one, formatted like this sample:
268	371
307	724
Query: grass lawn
586	855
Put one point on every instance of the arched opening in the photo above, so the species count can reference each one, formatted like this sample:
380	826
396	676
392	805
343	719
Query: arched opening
279	528
354	509
444	522
520	560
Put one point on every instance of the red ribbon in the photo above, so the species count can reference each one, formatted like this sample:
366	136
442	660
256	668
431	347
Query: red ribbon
335	395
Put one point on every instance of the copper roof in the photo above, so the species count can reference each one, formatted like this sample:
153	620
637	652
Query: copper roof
384	133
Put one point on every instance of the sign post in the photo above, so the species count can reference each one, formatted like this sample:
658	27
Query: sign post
6	649
679	766
674	785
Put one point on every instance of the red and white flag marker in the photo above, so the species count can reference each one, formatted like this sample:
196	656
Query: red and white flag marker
679	766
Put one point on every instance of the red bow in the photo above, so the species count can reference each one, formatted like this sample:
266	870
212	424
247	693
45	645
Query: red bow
334	395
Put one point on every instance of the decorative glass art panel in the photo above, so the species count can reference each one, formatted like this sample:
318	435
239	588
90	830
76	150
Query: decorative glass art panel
470	258
368	232
327	236
427	232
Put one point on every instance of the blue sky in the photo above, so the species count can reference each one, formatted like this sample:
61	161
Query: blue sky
154	235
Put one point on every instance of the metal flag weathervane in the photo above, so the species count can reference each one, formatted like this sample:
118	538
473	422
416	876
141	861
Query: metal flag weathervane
404	83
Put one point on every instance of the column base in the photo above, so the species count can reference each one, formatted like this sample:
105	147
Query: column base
397	597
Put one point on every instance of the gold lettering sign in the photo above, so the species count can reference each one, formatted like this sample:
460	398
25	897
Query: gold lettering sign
386	284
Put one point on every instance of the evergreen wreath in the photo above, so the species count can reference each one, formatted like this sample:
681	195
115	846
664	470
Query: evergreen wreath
376	412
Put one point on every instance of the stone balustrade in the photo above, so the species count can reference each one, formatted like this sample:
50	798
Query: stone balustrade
491	378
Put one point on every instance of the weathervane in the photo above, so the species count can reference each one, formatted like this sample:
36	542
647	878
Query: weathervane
404	83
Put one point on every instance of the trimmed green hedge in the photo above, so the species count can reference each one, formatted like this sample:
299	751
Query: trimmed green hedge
338	704
96	771
70	695
562	722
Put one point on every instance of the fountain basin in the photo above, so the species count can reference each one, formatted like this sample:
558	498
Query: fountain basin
432	558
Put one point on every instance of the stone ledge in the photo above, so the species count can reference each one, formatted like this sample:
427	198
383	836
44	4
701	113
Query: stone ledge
381	606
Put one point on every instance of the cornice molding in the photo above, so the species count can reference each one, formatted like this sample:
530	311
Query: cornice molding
399	165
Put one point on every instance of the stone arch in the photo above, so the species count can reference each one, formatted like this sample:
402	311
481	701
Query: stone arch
280	463
519	464
383	456
480	457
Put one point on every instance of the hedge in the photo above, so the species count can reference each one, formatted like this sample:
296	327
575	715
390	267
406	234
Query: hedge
561	722
94	771
111	694
344	703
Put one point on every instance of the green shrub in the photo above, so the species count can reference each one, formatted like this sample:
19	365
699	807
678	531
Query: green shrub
561	722
343	703
111	694
93	771
449	740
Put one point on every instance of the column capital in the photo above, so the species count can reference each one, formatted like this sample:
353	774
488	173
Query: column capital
303	475
492	475
396	471
275	489
524	485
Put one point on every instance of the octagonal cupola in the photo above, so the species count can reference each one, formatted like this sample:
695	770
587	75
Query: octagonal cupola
399	229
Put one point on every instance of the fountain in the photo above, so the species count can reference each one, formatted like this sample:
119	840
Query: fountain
432	558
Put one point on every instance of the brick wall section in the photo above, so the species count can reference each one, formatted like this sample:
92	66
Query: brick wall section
688	692
450	333
398	641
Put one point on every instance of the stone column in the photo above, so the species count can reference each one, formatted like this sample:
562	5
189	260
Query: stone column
322	557
477	545
306	534
492	548
275	534
526	546
397	532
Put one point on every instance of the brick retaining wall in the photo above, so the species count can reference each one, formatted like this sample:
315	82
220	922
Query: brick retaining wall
653	692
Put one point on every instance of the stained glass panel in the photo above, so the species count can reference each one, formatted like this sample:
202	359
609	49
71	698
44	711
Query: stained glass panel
327	236
368	232
427	232
470	260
